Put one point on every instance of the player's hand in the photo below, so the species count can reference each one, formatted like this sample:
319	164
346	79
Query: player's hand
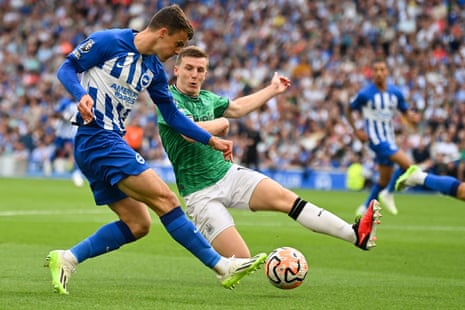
280	82
85	108
222	145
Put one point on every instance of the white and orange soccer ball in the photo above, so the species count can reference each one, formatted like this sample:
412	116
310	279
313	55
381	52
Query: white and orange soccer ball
286	268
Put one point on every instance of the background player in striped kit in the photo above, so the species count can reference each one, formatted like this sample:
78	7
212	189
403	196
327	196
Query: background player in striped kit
378	102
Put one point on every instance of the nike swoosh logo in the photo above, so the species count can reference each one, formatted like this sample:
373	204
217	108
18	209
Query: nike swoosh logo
118	65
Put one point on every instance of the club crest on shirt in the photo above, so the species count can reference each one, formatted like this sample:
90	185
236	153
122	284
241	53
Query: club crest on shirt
146	79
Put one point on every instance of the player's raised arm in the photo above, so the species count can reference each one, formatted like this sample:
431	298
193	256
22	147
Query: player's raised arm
244	105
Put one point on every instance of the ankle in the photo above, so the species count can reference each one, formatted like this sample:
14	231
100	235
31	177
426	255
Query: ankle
222	266
69	256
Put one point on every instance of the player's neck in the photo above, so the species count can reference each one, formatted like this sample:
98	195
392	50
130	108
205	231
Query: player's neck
185	93
381	86
144	42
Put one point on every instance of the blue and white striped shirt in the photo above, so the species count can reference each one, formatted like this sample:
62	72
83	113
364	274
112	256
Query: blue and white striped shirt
378	109
113	74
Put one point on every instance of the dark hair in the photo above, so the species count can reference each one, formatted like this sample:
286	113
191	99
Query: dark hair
191	51
379	59
173	18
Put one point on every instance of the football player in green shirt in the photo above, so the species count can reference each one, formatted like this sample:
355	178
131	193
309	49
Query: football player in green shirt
210	184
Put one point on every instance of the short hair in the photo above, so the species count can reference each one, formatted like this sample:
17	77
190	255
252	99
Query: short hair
173	18
191	51
379	59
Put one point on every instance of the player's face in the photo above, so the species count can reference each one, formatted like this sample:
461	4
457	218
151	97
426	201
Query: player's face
170	45
190	75
380	73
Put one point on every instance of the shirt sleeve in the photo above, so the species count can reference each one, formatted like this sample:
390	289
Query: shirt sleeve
68	75
93	51
221	104
402	105
89	53
358	102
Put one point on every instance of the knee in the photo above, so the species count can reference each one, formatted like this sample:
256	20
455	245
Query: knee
140	228
164	203
172	199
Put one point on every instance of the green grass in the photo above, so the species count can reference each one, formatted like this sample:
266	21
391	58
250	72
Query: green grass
418	264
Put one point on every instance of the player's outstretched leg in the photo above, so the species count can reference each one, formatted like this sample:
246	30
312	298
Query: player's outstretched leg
365	227
240	267
409	178
60	269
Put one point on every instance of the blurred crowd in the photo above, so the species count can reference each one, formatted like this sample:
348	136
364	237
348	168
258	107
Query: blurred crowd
325	47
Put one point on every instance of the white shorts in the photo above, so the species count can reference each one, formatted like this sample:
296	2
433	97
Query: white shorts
208	207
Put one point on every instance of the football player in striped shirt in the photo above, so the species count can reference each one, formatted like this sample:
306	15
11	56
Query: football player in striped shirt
377	103
115	66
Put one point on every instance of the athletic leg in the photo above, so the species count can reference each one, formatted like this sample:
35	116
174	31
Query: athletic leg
271	196
150	189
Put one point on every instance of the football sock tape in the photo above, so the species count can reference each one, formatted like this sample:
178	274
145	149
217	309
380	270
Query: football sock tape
297	208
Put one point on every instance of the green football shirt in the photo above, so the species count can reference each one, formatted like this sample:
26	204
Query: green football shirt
195	165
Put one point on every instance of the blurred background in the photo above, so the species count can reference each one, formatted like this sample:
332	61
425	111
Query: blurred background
325	47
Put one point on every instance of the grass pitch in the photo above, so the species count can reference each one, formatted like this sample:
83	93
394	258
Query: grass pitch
418	263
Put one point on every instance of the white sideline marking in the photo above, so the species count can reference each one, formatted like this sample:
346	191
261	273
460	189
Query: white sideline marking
50	212
241	222
424	228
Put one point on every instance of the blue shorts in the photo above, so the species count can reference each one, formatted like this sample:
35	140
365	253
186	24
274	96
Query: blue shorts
105	159
383	152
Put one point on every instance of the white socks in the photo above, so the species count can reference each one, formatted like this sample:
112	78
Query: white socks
419	178
322	221
223	266
69	256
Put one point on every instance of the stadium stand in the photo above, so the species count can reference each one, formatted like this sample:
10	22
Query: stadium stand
324	46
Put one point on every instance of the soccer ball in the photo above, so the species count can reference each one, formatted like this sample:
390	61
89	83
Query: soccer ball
286	268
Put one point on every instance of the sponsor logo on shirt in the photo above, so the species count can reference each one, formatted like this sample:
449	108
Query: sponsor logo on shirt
124	93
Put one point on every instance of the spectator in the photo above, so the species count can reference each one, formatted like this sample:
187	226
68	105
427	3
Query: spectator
328	45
